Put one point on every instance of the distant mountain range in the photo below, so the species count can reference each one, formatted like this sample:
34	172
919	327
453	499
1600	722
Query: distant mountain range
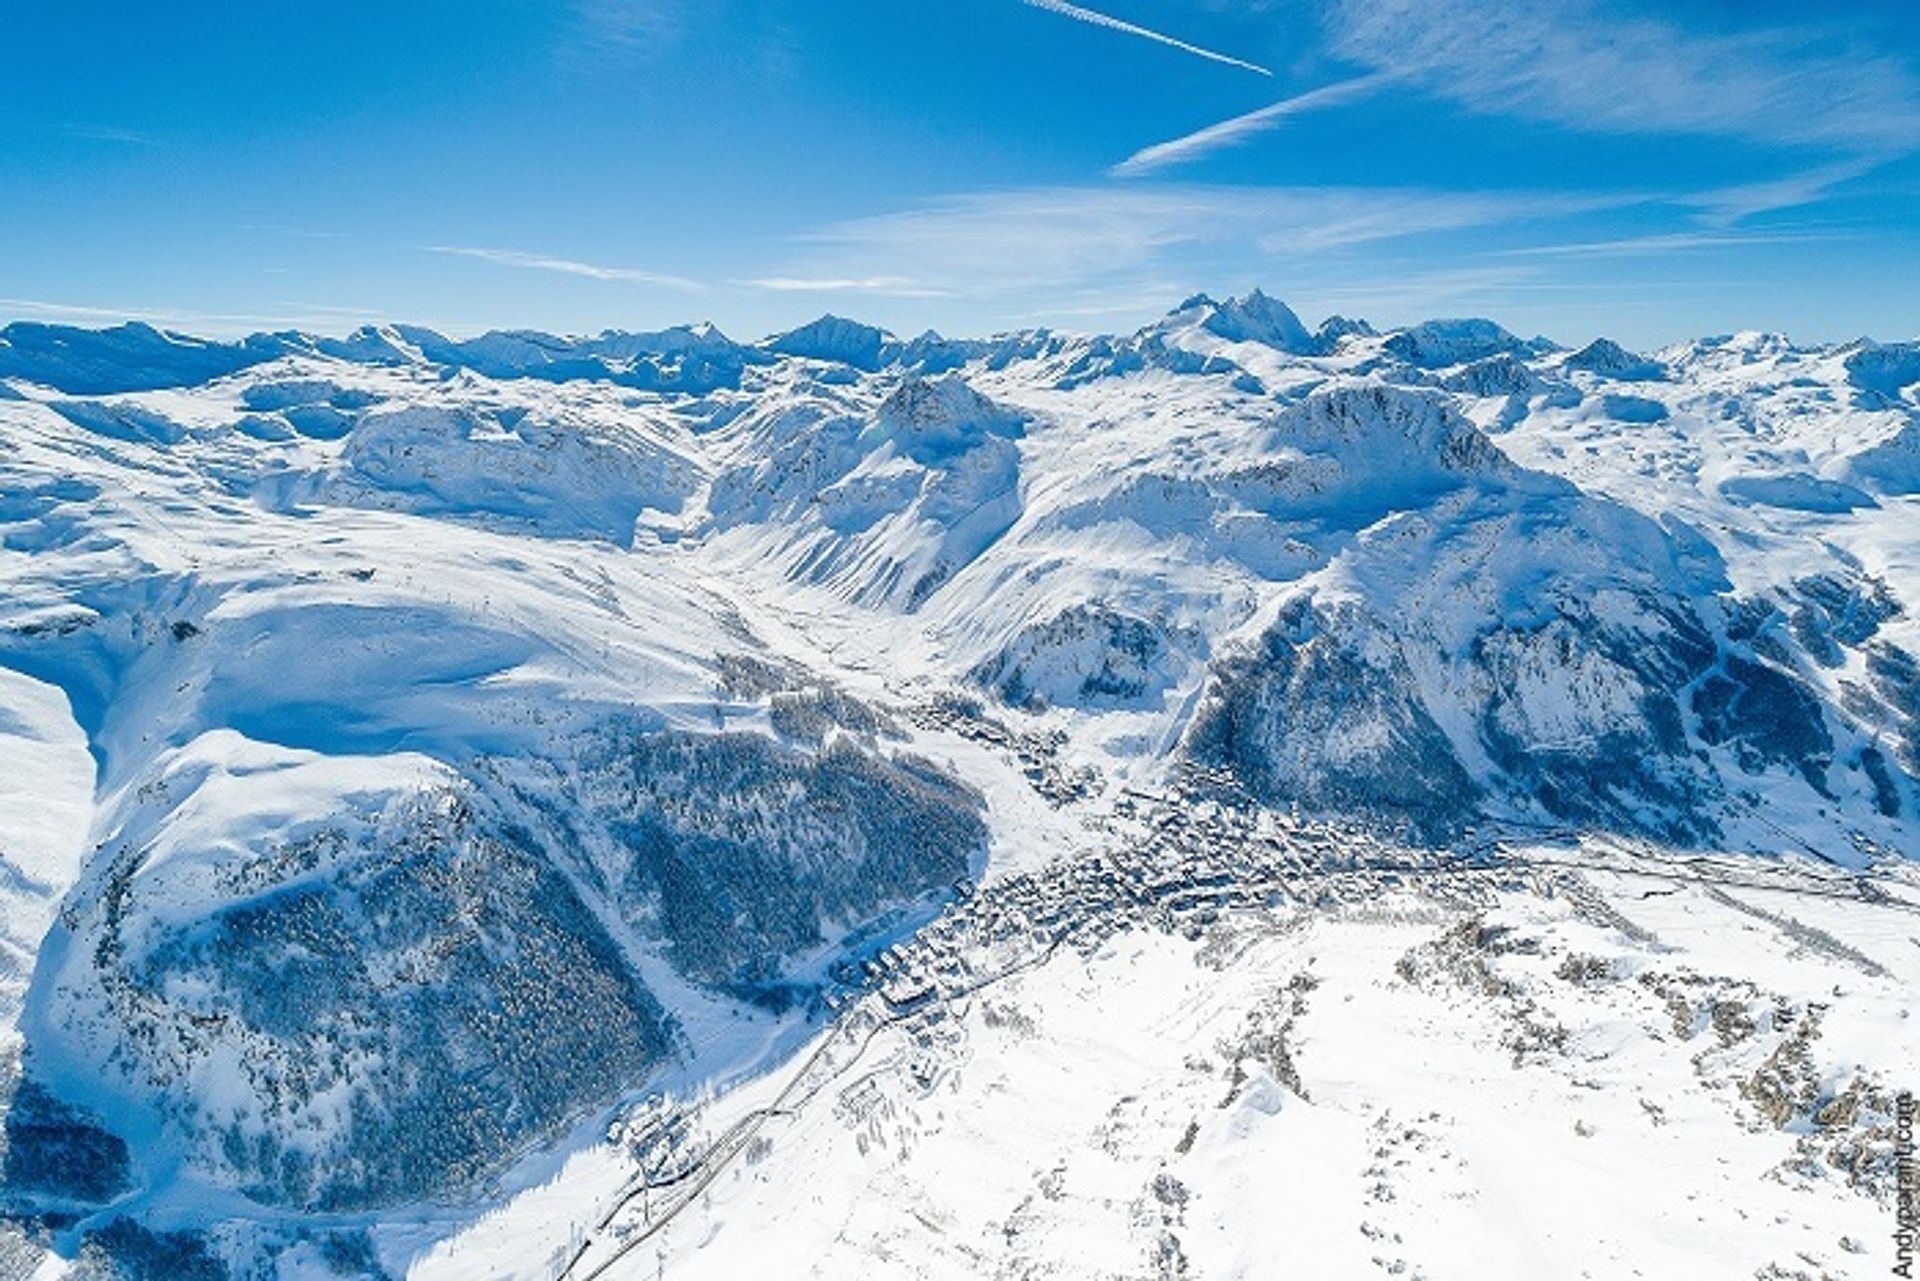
433	742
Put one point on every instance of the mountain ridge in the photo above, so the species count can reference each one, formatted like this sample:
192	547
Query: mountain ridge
64	350
417	692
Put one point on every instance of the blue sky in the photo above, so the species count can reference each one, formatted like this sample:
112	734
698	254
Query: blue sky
1568	167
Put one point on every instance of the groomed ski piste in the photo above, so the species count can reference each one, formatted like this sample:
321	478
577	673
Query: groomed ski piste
1227	800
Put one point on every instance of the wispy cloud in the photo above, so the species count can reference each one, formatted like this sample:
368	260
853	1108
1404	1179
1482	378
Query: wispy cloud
1660	245
1570	63
1523	296
1725	206
1412	293
293	233
41	309
1019	242
1229	132
629	26
571	267
1081	14
111	134
899	286
304	316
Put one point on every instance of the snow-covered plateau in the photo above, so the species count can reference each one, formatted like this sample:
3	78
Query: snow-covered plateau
1226	800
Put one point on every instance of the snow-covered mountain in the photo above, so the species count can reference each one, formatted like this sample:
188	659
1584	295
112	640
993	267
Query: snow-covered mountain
423	751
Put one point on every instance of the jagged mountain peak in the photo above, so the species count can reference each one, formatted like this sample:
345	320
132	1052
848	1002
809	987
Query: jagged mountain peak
1255	317
934	418
1436	344
382	344
1334	328
1378	425
1609	359
834	338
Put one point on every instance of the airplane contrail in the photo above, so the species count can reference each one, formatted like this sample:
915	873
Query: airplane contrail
1228	132
1098	19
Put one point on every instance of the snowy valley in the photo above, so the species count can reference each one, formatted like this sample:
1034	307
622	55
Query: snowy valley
840	805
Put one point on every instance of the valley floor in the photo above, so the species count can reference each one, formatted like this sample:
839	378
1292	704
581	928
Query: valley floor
1253	1050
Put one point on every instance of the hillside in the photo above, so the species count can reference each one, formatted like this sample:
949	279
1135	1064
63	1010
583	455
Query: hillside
430	752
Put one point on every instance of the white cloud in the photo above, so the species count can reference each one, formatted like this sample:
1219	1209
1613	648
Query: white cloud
109	134
1567	63
899	286
1229	132
1725	206
293	233
1014	242
1410	295
570	267
1662	244
629	26
1098	19
310	317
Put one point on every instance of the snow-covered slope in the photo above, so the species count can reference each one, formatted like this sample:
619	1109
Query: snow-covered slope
1434	1079
424	750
